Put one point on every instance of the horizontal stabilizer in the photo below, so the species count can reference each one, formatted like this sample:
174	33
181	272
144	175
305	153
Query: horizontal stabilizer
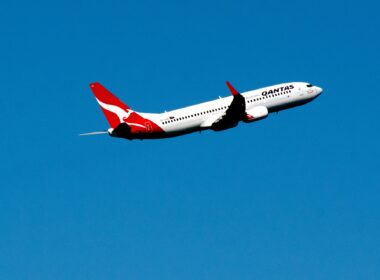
94	133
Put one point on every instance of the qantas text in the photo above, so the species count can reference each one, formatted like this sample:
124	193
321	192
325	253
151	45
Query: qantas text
277	90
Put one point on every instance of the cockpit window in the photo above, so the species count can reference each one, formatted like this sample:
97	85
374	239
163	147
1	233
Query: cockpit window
309	85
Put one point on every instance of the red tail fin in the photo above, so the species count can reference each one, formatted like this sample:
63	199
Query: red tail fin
114	109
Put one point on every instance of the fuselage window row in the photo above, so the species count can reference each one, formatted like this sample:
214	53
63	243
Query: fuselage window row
225	107
268	96
194	115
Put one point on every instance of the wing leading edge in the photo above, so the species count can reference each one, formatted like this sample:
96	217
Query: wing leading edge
236	112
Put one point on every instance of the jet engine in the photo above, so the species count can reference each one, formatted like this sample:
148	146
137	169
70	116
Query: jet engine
257	113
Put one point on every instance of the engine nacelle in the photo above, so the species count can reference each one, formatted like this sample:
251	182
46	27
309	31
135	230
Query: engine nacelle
256	113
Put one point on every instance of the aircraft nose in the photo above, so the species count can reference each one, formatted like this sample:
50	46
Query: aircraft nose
319	90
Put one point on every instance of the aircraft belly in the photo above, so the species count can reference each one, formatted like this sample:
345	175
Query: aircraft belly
185	127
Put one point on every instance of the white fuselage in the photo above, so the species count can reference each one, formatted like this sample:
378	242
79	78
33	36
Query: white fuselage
203	115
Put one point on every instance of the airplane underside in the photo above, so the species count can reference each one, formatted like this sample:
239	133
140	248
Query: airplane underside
216	115
123	130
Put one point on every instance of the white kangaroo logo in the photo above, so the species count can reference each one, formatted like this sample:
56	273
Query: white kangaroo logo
122	114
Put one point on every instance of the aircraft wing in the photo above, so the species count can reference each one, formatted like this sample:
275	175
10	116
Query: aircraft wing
235	112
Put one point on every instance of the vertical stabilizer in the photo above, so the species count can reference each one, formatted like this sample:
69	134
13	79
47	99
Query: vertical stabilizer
115	110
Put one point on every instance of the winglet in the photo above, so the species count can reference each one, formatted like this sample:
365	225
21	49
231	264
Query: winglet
232	89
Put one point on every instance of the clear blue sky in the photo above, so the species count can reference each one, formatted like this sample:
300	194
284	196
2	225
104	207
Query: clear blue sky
295	196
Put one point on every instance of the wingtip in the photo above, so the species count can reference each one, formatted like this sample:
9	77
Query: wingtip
232	89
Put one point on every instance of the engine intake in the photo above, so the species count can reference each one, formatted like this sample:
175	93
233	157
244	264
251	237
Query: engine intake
257	113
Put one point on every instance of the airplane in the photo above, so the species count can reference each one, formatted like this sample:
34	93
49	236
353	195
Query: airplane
220	114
